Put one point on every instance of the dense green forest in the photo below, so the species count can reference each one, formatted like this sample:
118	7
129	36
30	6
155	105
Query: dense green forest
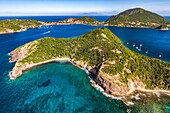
16	24
137	17
102	47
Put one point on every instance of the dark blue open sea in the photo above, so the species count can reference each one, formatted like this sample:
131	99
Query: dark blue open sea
64	88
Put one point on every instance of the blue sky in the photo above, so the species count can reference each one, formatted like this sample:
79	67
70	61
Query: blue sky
79	7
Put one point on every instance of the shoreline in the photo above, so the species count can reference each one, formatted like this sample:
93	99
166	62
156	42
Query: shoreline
123	98
10	32
99	25
37	64
92	81
2	33
136	27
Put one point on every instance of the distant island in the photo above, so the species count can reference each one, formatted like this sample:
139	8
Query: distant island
118	70
16	25
138	17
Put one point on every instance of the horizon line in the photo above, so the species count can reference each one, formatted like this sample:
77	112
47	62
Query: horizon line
100	13
60	15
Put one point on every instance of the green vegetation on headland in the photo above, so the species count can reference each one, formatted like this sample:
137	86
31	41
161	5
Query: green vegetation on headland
15	25
102	50
137	17
81	20
86	19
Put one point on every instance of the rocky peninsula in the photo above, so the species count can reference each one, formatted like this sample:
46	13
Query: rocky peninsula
116	69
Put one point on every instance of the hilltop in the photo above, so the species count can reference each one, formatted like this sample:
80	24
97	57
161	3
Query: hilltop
118	70
137	17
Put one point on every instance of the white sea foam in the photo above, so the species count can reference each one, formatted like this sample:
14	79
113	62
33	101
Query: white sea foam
10	58
98	88
102	90
11	78
87	71
11	61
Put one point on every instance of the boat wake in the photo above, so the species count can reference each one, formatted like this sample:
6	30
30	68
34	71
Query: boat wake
47	32
6	42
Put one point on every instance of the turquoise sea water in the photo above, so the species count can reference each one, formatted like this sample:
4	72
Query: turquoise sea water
62	87
55	87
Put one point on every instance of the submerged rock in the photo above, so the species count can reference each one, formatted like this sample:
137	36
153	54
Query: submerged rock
45	84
